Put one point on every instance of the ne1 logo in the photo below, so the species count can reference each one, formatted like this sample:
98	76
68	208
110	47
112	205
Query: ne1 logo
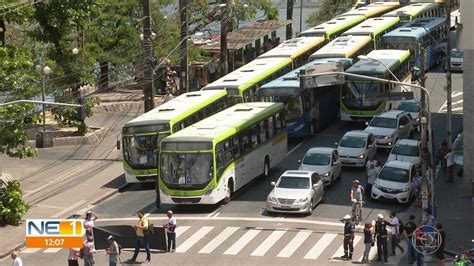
54	233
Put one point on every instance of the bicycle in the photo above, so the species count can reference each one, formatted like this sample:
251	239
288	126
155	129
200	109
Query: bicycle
356	211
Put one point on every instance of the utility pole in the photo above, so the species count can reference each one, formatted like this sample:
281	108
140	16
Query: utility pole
449	105
289	16
424	113
148	90
224	18
183	67
301	16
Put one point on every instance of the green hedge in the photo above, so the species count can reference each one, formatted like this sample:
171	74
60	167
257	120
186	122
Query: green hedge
12	205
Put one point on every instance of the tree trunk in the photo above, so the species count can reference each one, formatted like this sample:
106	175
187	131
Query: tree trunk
3	29
104	76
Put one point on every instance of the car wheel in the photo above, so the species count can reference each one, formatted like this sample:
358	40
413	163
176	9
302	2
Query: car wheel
311	206
229	190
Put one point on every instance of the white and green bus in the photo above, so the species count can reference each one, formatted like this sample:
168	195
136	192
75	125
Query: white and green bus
208	161
142	135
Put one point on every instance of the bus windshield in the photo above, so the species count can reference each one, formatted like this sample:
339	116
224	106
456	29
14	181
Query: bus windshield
140	150
358	95
293	106
186	170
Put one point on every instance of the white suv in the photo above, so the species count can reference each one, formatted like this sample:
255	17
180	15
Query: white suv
391	126
394	182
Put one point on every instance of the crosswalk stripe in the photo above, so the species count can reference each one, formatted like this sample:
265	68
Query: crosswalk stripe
340	251
51	250
30	250
194	239
180	230
294	244
218	240
319	247
242	242
268	243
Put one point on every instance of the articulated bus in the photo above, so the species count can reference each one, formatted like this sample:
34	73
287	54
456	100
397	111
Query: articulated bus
427	33
375	28
141	136
210	160
373	10
345	47
305	106
416	10
361	99
333	28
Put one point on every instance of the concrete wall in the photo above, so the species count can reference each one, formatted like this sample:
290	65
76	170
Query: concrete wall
467	44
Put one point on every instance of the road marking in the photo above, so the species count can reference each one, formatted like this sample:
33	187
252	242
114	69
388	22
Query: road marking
319	247
181	229
212	213
242	242
51	250
30	250
296	147
268	243
77	204
340	251
194	239
218	240
49	206
294	244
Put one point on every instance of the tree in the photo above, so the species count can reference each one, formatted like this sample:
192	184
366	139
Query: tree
328	10
12	205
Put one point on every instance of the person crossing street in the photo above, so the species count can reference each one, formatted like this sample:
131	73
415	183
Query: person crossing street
142	238
170	227
349	230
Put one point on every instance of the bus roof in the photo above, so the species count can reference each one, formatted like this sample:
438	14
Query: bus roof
333	26
343	46
249	74
372	10
389	58
412	10
416	29
293	48
427	23
225	123
289	84
373	26
178	108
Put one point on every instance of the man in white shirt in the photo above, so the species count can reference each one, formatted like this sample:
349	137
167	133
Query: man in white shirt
395	236
16	260
371	171
450	165
171	231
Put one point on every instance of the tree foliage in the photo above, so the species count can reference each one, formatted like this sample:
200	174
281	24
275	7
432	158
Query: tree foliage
328	10
12	205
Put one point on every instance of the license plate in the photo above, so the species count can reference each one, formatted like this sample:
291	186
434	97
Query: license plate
285	206
187	202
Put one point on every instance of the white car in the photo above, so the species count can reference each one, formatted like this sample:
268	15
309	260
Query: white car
324	161
412	107
296	192
355	147
406	150
390	126
457	60
394	182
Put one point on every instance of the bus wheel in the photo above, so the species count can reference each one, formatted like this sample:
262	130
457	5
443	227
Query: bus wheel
228	191
266	167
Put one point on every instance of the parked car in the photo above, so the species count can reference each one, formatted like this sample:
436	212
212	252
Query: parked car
406	150
394	182
390	126
457	58
324	161
413	107
355	147
296	192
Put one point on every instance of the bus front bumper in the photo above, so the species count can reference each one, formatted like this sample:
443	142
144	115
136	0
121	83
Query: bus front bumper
131	178
209	198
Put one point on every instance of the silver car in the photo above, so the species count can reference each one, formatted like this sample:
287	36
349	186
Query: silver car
296	192
355	147
390	126
324	161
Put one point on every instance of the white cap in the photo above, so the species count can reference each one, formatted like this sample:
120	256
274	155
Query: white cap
380	216
347	217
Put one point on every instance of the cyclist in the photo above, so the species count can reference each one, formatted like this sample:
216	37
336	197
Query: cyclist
357	192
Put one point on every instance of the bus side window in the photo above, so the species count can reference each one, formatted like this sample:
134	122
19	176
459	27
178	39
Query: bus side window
229	157
263	131
271	126
278	122
235	147
220	156
255	133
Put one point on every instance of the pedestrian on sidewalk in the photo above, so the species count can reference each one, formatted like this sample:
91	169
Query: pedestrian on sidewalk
16	260
349	230
417	181
440	251
430	222
409	229
395	234
420	239
450	164
113	251
440	156
170	227
89	222
141	229
370	174
73	257
88	252
368	241
381	236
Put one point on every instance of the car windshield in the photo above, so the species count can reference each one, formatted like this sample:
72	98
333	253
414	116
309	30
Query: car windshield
457	54
352	142
394	174
316	159
406	150
409	107
140	150
384	122
186	169
293	182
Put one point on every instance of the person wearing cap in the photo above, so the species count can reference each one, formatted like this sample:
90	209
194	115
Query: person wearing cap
113	251
381	235
357	192
16	260
349	230
170	227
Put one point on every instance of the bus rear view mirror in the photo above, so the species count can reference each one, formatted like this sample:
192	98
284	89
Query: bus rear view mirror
118	144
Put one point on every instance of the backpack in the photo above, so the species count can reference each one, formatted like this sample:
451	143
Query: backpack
150	230
401	226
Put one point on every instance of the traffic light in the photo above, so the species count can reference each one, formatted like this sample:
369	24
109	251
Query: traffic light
81	110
